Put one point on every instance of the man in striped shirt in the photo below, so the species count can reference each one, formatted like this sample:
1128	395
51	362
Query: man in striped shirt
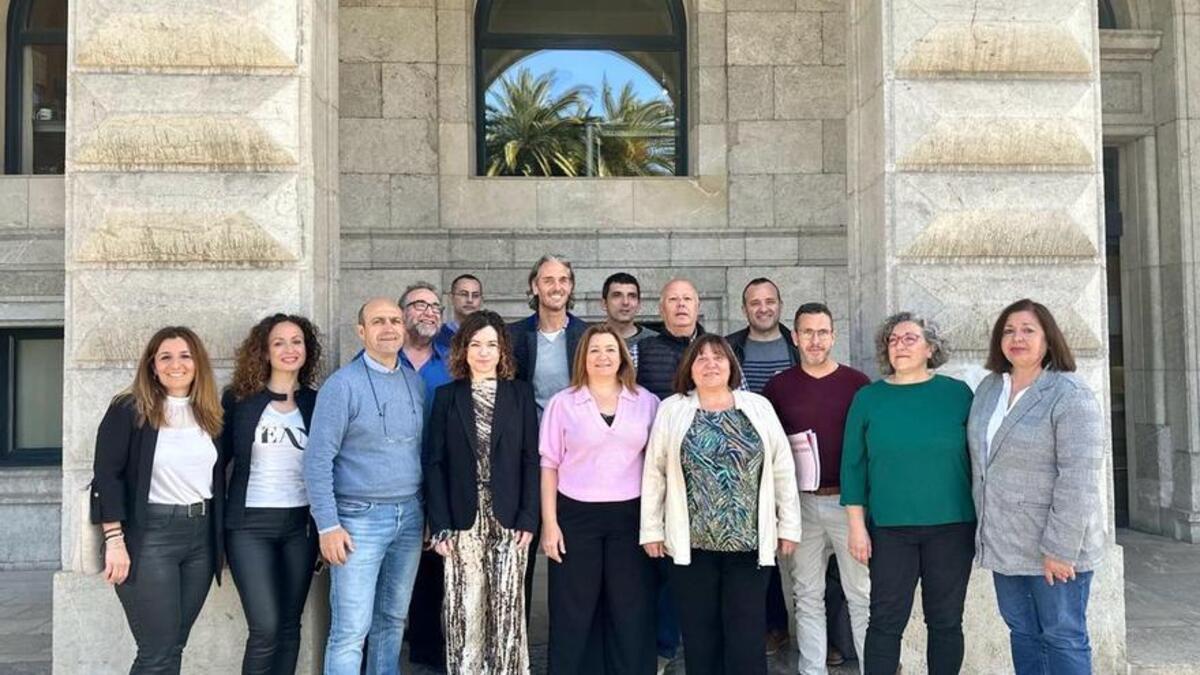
764	348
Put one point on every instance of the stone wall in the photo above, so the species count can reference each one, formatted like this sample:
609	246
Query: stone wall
765	193
200	190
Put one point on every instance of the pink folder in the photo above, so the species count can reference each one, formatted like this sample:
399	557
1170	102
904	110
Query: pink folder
807	460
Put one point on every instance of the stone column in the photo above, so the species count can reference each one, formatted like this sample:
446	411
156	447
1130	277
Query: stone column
201	190
974	138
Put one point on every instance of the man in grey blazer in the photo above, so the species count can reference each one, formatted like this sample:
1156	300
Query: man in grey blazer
1037	453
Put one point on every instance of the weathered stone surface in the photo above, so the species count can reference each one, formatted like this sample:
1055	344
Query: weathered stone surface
453	92
833	146
815	199
365	201
711	94
810	92
710	39
708	248
201	39
975	143
361	91
712	149
779	248
674	202
47	203
175	237
775	147
761	5
487	202
452	38
14	202
454	149
409	90
774	38
1002	233
751	93
371	34
192	142
387	146
594	203
833	38
977	48
751	201
633	248
415	203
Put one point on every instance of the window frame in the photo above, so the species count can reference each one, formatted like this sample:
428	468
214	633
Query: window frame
18	39
675	43
10	455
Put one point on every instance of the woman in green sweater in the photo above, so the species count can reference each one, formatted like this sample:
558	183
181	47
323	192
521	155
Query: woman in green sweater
906	486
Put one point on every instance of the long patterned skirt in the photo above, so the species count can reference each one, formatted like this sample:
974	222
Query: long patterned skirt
484	610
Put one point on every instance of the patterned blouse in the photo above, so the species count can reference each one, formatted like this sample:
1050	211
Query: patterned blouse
483	395
722	458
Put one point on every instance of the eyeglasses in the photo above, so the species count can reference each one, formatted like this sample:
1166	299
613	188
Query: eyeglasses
908	339
467	295
420	306
809	335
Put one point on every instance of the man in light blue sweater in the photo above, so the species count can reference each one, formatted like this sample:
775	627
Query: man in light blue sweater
362	468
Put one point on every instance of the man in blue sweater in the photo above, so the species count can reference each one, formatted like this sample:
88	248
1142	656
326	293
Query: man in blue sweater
362	468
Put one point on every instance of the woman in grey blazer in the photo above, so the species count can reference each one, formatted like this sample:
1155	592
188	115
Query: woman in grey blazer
1037	451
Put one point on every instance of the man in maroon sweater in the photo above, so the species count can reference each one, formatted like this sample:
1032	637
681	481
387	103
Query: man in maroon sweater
815	395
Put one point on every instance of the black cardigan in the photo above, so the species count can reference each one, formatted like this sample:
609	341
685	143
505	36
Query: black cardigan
451	489
121	481
241	419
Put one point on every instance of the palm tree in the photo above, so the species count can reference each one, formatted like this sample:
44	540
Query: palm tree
532	132
637	137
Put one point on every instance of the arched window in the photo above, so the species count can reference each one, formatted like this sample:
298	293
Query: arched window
35	129
580	87
1108	17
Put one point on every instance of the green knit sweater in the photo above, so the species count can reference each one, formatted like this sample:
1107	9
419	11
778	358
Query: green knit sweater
904	456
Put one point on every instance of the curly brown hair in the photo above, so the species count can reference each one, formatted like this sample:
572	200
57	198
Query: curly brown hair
253	367
506	369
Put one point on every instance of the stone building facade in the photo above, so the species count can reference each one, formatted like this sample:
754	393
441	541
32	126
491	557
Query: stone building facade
226	158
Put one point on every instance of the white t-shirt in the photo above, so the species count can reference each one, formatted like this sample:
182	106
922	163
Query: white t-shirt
184	456
277	461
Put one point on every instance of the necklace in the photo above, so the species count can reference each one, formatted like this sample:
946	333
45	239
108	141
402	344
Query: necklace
380	408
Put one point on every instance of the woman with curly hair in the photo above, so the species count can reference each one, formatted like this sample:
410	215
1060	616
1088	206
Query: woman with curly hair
481	498
157	493
271	544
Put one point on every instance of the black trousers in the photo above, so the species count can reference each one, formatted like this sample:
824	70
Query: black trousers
777	615
602	594
940	557
174	574
721	598
426	641
271	557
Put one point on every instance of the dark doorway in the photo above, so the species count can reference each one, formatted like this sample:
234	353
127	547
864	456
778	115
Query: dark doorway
1113	229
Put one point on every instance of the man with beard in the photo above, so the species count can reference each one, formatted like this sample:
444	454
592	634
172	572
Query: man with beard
764	348
815	396
621	298
430	358
544	343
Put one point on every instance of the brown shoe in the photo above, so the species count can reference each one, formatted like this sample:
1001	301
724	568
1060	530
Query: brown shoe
777	641
834	658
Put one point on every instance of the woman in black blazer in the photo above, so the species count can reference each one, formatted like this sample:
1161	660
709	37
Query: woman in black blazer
158	492
481	498
271	543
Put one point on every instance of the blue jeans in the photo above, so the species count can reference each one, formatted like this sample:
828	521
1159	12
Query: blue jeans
369	594
1047	624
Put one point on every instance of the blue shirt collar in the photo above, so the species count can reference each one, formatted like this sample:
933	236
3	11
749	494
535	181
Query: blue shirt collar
377	366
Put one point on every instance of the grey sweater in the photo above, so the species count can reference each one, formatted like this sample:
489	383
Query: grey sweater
365	440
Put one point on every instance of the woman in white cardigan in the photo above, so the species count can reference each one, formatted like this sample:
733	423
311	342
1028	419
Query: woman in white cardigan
718	496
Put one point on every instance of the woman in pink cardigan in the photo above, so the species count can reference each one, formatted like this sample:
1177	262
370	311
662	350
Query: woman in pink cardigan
592	441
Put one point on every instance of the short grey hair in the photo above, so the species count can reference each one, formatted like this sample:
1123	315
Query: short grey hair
930	330
415	286
537	267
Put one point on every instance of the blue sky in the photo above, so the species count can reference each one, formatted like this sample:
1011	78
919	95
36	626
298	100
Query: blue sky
589	68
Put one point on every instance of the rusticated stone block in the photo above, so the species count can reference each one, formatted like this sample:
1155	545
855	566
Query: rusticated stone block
216	143
168	40
776	147
679	202
409	90
833	38
982	143
1001	232
181	237
365	202
360	90
387	146
751	93
591	204
388	34
810	92
1011	48
810	199
751	201
414	203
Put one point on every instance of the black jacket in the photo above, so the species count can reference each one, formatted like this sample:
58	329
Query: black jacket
121	481
738	342
523	335
241	419
451	488
658	359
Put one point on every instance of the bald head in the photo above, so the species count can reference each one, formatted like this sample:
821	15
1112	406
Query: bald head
679	304
381	329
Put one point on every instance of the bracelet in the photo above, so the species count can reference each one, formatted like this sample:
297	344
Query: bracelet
114	536
110	530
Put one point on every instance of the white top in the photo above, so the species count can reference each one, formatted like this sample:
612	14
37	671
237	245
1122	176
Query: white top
1001	411
277	461
183	458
